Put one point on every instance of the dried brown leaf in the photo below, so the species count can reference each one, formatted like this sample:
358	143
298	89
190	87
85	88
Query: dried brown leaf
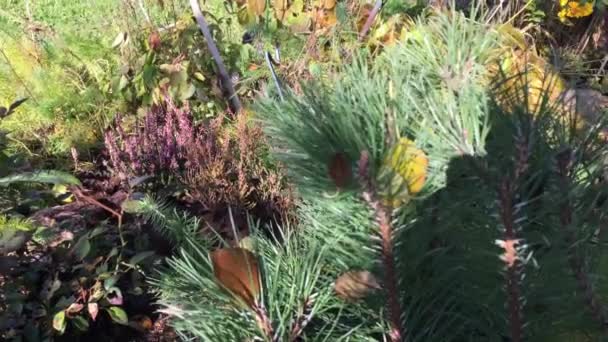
355	285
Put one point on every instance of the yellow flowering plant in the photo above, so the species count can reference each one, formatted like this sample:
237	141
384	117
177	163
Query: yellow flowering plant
574	9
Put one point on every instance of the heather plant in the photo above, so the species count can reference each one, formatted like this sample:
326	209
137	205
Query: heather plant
155	145
217	164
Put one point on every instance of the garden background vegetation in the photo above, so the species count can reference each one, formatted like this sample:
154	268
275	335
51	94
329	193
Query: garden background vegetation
306	170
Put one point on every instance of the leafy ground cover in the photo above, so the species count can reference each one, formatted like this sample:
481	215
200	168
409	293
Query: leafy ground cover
320	170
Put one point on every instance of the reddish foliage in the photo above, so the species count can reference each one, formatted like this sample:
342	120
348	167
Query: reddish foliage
221	165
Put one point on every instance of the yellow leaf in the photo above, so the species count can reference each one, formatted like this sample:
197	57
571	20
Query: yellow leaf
256	7
291	14
512	36
280	9
245	16
324	13
328	4
406	166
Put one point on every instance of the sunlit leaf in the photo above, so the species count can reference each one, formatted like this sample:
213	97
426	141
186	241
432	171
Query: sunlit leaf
236	269
97	292
406	170
59	322
131	206
324	13
118	315
119	40
247	243
199	76
186	92
122	84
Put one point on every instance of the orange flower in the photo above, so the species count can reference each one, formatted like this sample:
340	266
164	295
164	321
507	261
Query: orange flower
575	9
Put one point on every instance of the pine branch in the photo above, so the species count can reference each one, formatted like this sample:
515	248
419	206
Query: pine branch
302	320
512	275
264	323
564	165
510	242
383	218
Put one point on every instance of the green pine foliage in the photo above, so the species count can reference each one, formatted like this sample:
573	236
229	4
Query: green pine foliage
503	241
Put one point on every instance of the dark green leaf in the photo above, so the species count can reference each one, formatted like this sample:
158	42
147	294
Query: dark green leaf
103	268
12	240
97	231
113	253
80	323
137	258
15	104
82	247
110	282
31	331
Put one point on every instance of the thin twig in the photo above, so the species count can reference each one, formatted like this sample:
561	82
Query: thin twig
142	7
28	10
76	191
383	219
564	165
79	194
270	61
233	98
370	19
